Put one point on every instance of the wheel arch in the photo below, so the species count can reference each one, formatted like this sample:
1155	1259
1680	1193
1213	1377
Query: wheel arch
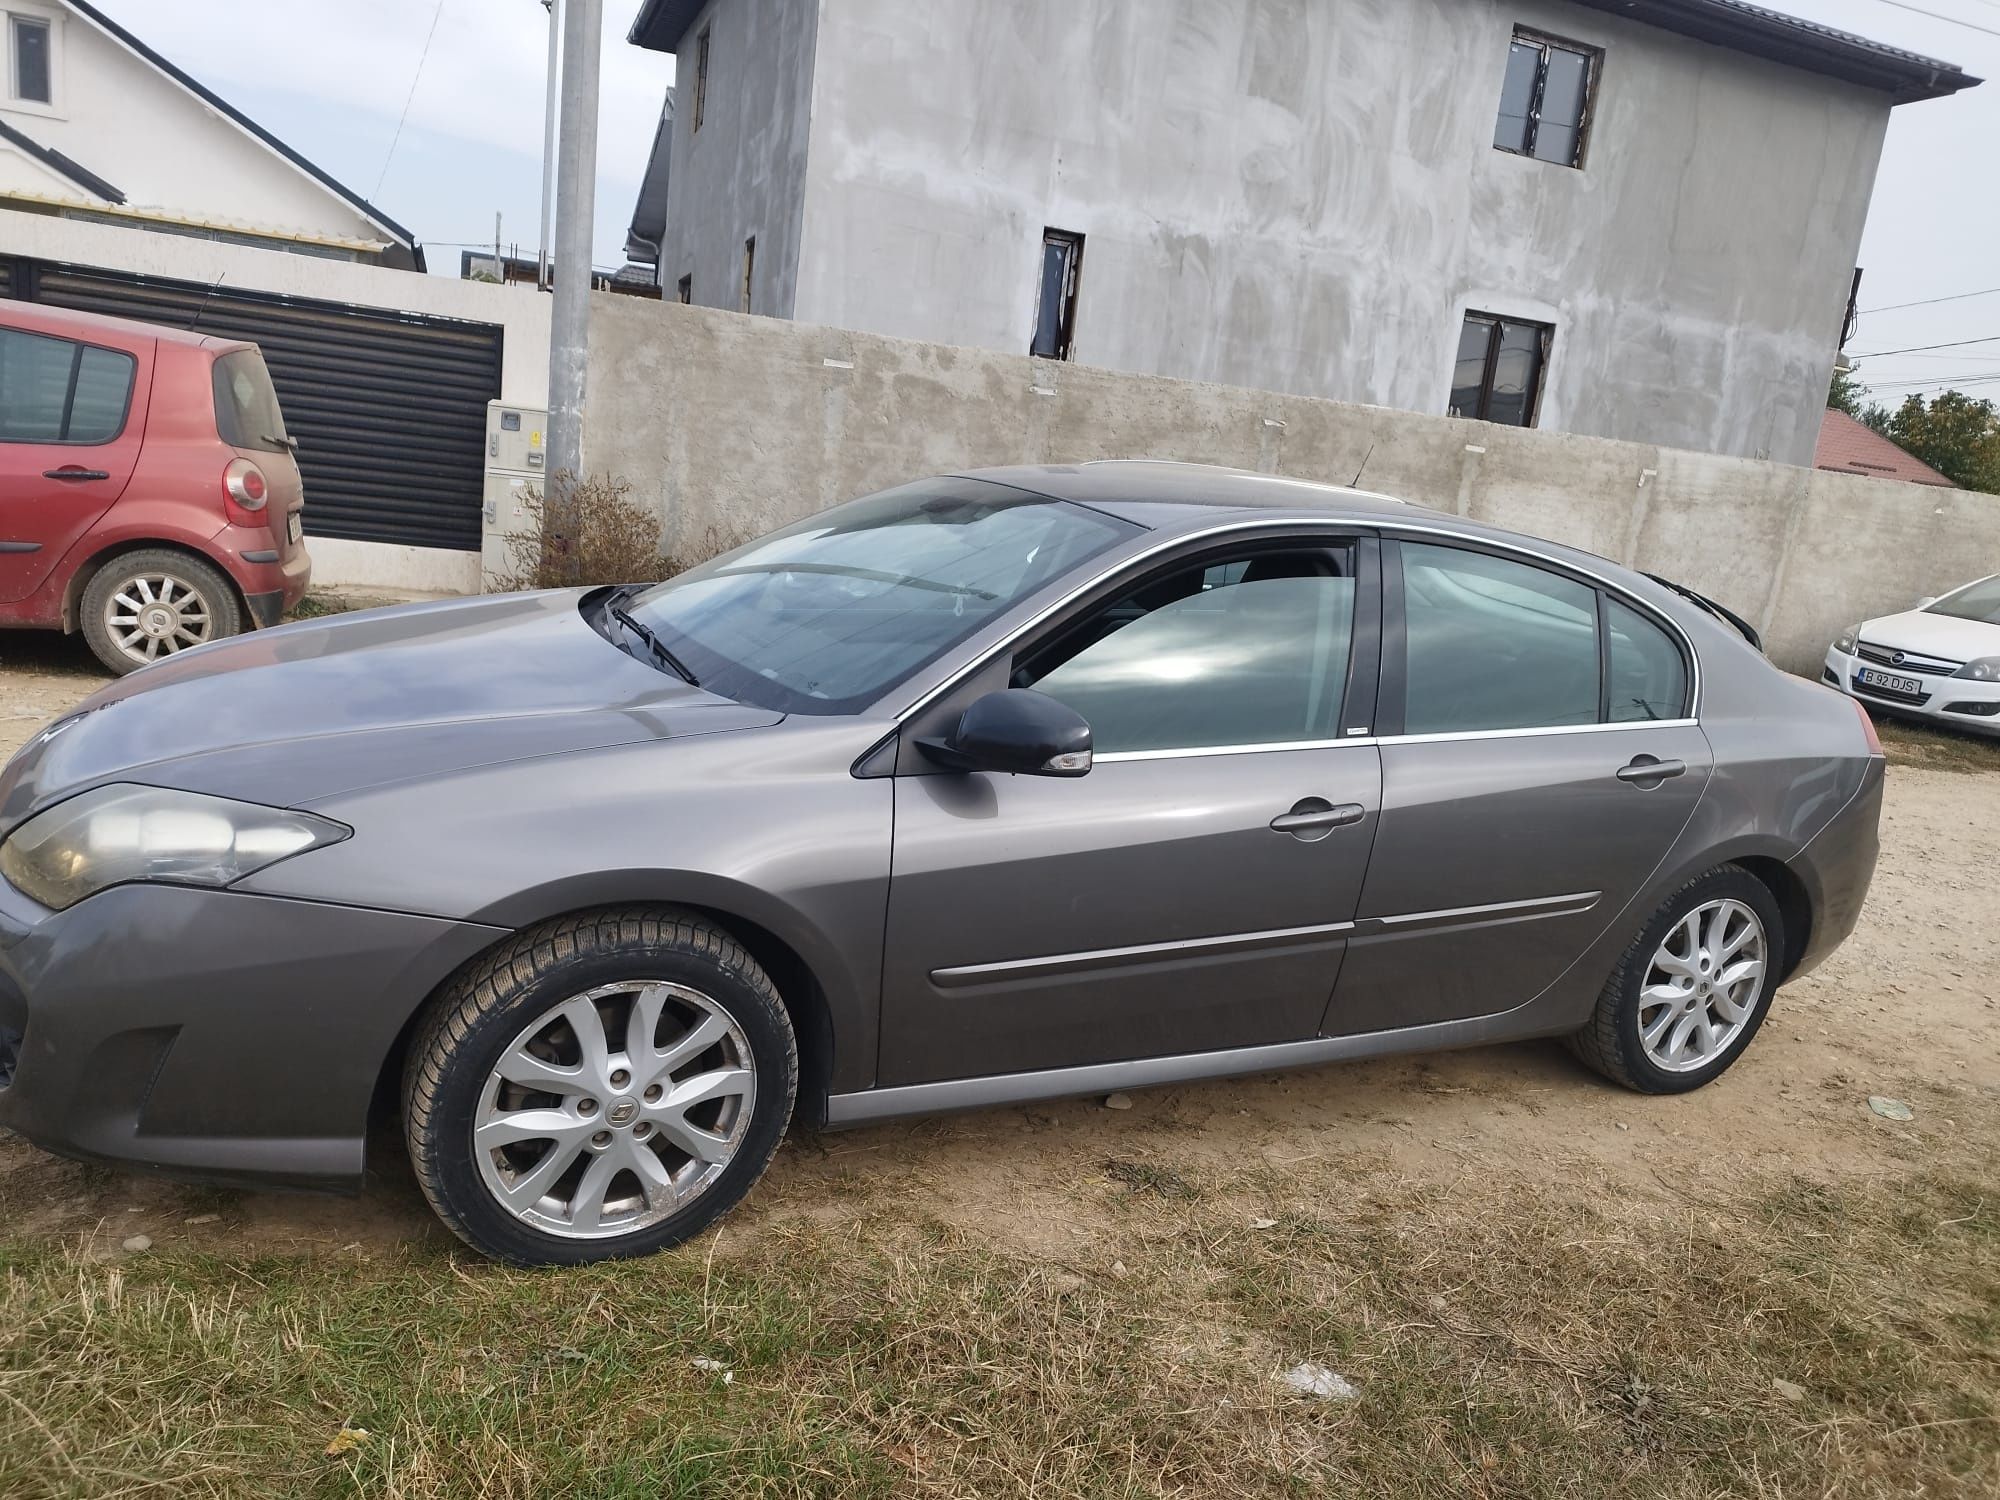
98	561
805	999
1795	904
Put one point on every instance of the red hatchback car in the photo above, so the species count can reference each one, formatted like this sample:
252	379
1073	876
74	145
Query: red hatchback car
148	493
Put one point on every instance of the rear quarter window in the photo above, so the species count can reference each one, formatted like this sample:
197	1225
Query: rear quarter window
246	404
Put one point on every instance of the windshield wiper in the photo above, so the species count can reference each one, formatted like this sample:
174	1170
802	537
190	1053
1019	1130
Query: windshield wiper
653	644
289	444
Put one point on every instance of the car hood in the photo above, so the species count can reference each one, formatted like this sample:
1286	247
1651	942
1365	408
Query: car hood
1934	635
307	711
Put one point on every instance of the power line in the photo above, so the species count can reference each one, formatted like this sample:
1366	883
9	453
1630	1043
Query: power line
1932	301
1936	16
1991	338
415	79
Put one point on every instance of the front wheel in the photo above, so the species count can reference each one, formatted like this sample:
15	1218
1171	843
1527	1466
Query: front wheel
1693	988
602	1086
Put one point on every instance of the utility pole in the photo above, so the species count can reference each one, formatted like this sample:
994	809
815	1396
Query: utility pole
576	206
548	140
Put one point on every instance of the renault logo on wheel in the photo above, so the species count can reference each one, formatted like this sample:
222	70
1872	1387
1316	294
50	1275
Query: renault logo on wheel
623	1112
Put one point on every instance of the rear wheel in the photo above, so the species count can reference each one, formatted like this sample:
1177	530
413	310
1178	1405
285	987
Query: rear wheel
148	605
602	1086
1693	988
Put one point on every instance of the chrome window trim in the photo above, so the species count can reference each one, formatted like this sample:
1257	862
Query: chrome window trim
1379	525
1534	732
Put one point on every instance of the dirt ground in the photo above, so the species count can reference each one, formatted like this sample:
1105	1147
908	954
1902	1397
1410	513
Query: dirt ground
1909	1008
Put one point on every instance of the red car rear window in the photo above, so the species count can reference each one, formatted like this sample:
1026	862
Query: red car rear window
246	406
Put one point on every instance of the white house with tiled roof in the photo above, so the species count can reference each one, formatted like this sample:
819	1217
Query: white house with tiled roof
94	124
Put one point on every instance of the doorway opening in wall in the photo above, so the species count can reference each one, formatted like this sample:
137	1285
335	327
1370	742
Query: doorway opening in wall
1498	377
685	289
1055	304
749	268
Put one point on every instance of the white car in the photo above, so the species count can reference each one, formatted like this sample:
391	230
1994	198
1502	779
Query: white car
1939	661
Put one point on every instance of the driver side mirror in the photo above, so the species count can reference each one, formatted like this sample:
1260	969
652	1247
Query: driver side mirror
1017	730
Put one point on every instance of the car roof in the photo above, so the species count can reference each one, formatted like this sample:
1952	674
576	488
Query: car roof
41	317
1166	496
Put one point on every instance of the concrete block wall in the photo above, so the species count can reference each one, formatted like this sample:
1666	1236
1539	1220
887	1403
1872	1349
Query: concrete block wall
731	425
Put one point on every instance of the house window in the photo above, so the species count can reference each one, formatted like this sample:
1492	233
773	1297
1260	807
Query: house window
687	289
1545	100
1055	308
1499	372
700	76
749	269
28	41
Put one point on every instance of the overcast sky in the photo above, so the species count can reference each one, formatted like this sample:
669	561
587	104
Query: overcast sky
331	77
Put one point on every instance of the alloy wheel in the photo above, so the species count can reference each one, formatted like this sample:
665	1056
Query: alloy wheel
1702	985
157	614
614	1109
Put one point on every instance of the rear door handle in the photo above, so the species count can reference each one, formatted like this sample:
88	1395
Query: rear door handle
1645	768
72	472
1313	819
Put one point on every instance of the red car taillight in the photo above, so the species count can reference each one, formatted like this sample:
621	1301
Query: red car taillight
243	482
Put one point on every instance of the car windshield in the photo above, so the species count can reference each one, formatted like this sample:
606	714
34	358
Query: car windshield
246	407
1976	601
827	615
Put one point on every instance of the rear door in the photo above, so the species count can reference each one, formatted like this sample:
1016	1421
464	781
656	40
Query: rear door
1193	892
72	417
1538	762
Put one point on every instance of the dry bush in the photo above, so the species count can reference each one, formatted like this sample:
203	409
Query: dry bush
591	531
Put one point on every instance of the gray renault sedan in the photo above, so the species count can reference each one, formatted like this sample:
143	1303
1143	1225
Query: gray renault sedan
992	787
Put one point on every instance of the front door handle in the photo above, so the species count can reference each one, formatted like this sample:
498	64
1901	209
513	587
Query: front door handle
72	472
1648	770
1314	819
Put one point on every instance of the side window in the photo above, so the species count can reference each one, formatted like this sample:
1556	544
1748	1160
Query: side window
1648	676
1494	644
59	391
1244	650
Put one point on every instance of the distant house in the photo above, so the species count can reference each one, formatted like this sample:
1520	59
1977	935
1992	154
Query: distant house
1632	219
1850	447
96	125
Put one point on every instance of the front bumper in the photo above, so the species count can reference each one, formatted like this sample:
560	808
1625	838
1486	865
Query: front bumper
1958	701
211	1034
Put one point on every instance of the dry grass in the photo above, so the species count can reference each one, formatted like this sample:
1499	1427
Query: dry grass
1506	1340
1908	744
590	531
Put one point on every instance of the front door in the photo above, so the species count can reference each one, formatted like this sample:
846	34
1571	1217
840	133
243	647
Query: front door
1195	890
1544	769
69	439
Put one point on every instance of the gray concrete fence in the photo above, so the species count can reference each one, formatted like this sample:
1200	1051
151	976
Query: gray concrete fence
731	425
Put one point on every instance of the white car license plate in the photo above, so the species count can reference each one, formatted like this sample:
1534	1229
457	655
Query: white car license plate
1889	680
293	529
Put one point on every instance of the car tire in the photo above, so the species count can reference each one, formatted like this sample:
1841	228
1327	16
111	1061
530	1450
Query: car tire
509	1046
1672	985
195	604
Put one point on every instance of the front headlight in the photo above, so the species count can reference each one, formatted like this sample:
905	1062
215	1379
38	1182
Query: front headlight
1986	669
1844	643
119	833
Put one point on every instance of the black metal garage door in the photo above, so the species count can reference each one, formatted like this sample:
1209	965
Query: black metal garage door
389	408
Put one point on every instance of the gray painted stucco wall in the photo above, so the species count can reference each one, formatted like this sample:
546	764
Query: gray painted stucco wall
729	426
1302	196
743	172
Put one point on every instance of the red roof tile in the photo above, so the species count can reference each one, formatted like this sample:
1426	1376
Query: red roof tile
1850	447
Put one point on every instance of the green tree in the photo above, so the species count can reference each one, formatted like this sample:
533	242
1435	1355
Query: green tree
1848	394
1953	433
